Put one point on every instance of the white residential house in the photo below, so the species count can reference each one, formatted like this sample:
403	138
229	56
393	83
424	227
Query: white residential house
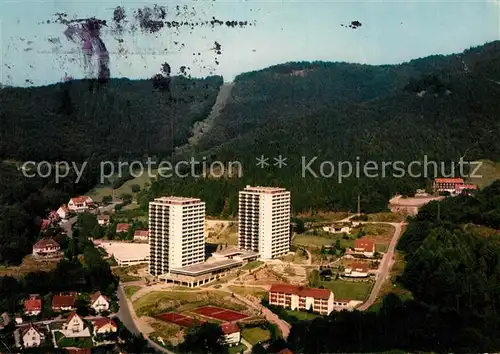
104	325
80	204
99	302
31	336
356	270
346	304
232	333
103	219
364	247
74	323
63	211
302	298
337	229
141	235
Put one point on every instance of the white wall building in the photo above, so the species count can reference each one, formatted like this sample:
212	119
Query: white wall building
176	233
232	333
32	337
302	298
264	221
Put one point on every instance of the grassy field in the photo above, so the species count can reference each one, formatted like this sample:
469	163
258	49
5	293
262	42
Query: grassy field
323	216
347	289
244	290
302	315
240	348
126	274
28	265
252	265
386	217
158	302
255	335
310	240
165	330
229	236
489	172
131	290
99	192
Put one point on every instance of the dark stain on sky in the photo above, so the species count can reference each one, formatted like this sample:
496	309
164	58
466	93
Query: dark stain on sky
353	25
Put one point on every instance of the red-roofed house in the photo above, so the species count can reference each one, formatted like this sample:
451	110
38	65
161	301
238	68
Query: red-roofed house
80	204
447	184
365	247
466	189
141	235
99	302
44	224
232	333
63	302
301	298
104	325
356	270
122	228
46	247
63	211
33	305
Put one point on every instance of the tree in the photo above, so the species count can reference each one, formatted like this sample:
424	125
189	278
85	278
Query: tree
207	338
314	279
135	188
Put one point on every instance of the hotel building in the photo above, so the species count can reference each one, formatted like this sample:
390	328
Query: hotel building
264	221
301	298
176	233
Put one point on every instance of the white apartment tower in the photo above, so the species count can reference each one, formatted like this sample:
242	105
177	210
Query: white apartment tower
264	221
176	233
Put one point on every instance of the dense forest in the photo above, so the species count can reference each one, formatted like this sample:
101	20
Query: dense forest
440	108
452	270
124	119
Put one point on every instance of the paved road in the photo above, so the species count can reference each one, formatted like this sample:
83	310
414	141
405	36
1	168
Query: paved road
385	265
126	315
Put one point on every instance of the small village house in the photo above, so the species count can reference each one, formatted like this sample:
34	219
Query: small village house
339	228
32	336
346	304
99	302
63	211
122	228
74	323
364	247
63	302
141	235
356	270
466	189
103	219
80	204
104	325
46	248
33	305
301	298
232	333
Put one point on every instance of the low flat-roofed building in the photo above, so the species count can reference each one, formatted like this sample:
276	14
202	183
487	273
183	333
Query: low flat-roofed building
201	273
237	254
126	253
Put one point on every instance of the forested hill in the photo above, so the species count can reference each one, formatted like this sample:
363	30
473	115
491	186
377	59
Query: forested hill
127	118
439	108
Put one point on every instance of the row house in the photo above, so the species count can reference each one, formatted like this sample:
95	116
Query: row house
301	298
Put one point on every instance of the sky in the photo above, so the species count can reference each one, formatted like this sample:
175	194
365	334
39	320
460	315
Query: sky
392	32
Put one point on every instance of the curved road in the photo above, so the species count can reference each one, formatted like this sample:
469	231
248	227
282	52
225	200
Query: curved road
385	265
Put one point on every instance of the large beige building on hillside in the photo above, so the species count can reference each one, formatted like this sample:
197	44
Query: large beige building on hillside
264	221
176	233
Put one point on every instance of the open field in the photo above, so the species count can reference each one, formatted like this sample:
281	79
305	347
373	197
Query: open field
131	290
157	302
247	290
240	348
28	265
166	331
310	240
264	276
252	264
348	289
128	274
299	256
322	216
229	235
255	335
481	230
219	313
386	217
489	172
99	192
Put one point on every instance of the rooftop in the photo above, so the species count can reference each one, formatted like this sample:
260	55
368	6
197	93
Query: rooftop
229	328
301	291
177	200
124	251
269	190
206	267
234	251
449	180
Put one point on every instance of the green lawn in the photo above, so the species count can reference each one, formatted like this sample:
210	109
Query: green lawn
348	290
253	264
237	349
255	335
489	172
99	192
123	273
62	341
310	240
302	315
131	290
